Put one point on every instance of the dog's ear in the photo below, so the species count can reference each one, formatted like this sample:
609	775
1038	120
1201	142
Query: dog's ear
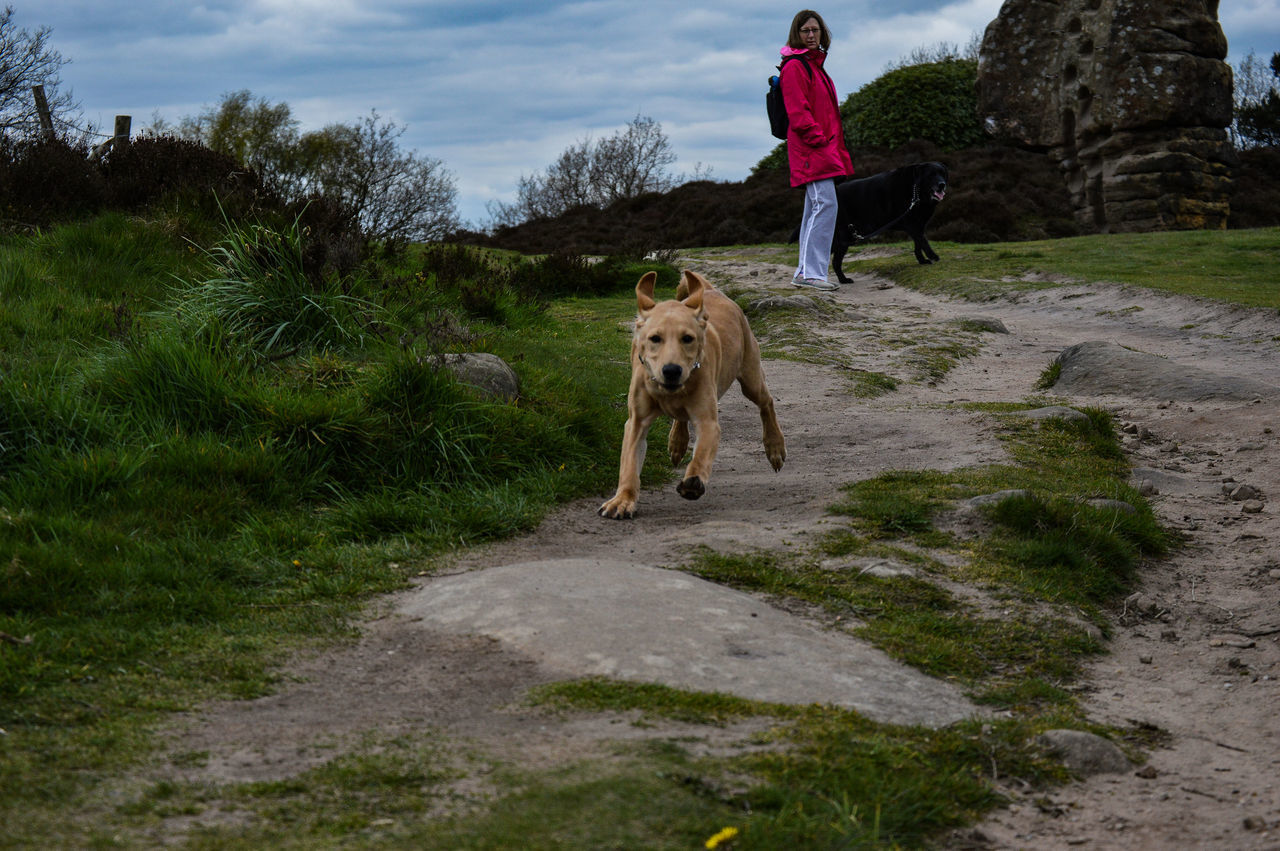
644	292
696	285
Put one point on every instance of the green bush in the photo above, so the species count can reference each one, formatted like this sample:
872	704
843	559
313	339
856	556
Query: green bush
935	101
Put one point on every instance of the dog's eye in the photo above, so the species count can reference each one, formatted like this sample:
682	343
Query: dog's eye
687	339
655	339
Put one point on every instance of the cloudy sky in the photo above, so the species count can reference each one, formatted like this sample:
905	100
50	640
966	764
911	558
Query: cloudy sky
498	89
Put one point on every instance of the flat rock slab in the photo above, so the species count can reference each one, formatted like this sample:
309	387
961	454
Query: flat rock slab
1108	369
593	617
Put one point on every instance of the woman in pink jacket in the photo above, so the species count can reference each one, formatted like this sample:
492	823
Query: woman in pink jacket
816	151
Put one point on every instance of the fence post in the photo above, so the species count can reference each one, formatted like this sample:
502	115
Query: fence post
42	109
123	124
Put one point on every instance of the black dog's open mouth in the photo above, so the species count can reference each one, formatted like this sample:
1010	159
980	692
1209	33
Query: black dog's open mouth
939	193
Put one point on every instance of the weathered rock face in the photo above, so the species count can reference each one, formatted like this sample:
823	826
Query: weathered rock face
1132	97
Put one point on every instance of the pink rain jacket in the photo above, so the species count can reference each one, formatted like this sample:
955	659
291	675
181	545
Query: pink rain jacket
815	139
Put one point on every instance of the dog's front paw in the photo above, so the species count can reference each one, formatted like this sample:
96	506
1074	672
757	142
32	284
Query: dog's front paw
691	488
776	455
618	508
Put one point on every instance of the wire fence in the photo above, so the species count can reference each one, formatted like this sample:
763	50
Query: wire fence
48	124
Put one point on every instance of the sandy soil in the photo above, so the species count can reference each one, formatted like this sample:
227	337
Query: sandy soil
1195	653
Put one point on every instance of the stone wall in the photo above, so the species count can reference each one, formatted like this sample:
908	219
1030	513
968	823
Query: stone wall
1131	97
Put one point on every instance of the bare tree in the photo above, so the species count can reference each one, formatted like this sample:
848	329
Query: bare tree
943	51
397	195
631	162
1255	84
26	61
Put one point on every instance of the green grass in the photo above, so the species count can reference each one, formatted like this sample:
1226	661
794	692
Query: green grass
1234	266
599	694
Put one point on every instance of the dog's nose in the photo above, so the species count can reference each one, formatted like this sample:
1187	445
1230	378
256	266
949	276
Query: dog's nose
671	373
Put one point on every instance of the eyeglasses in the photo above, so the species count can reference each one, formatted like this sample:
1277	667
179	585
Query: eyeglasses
811	31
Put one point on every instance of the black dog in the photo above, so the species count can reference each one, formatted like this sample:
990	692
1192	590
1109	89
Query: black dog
903	199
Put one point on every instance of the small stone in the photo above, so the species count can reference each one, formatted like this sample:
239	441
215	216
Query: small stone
1241	493
1255	823
1252	507
1113	505
1146	660
993	498
1232	641
1147	772
1061	412
1085	753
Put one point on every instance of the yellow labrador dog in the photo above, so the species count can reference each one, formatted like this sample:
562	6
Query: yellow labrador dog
684	355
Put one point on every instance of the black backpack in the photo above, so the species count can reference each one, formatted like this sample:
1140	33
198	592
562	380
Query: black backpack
777	110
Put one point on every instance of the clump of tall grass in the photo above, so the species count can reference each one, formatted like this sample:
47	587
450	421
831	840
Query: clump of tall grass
259	296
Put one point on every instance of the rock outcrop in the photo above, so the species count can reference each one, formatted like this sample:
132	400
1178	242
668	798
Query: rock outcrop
1131	97
1100	368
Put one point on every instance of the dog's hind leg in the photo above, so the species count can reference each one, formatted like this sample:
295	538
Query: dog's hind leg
753	387
678	441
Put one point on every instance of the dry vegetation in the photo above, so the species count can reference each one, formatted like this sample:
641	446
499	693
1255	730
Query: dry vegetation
997	194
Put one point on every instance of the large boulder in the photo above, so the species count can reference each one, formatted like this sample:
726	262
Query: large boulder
1131	97
1100	368
488	374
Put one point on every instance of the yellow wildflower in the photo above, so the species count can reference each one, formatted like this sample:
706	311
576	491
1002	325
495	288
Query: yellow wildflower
723	836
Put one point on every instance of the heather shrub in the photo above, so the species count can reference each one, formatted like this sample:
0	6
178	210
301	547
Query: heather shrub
155	167
43	181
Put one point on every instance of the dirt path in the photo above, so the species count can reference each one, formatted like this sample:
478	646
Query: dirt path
1196	654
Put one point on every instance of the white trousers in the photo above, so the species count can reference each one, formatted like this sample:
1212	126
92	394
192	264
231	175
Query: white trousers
817	227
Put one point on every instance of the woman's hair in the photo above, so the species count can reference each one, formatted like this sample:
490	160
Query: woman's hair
794	40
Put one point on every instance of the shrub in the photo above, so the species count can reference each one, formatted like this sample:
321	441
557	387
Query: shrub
156	167
1256	200
43	181
935	101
